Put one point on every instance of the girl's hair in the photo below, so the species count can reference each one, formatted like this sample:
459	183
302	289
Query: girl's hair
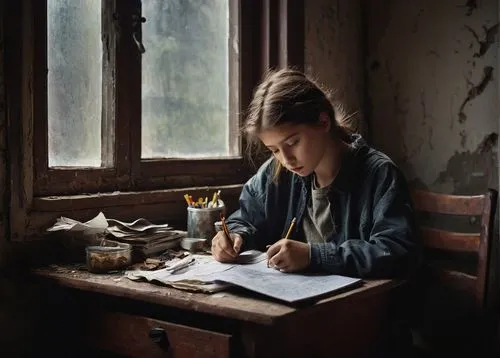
289	96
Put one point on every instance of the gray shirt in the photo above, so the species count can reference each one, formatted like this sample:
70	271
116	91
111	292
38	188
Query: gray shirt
318	223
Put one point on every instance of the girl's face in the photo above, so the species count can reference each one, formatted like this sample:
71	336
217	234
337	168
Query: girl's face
299	147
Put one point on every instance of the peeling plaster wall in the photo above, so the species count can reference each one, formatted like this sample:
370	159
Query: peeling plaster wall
432	72
432	87
334	52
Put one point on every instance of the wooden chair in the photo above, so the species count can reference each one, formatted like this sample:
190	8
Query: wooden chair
445	279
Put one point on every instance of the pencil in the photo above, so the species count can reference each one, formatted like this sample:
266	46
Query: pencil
186	197
290	229
287	236
224	227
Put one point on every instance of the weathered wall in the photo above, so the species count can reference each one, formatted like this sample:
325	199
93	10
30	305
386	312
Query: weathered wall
432	85
424	75
13	297
432	94
334	52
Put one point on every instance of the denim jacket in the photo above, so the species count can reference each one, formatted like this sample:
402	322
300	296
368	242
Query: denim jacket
371	207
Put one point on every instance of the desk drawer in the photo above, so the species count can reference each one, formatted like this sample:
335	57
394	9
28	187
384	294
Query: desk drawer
136	336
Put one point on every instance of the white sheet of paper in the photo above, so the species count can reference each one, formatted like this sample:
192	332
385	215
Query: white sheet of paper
287	287
255	276
251	257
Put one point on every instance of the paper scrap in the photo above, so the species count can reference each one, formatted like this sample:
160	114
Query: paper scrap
94	226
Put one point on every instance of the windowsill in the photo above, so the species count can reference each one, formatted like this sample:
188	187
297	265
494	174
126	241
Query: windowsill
167	206
148	175
119	198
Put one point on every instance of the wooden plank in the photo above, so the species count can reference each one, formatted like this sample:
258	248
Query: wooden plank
358	325
235	111
24	192
129	335
77	182
292	33
58	181
133	87
40	110
453	241
487	235
108	124
455	279
184	181
208	166
229	305
251	57
19	79
270	34
125	105
103	200
448	204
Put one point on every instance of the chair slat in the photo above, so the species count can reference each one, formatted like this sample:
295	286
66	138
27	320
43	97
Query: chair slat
448	204
456	279
451	241
466	286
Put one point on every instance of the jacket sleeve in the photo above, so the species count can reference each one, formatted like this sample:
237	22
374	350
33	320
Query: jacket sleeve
250	219
392	249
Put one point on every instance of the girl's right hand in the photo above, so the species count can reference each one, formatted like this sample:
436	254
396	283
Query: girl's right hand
225	250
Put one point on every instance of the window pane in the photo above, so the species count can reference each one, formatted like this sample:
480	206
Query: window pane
185	81
74	59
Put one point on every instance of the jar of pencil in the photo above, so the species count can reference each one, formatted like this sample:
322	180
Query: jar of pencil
201	216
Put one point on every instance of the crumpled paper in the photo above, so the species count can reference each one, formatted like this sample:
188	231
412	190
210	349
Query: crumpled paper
94	226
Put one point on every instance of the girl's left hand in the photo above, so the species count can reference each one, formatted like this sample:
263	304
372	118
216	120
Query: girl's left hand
288	255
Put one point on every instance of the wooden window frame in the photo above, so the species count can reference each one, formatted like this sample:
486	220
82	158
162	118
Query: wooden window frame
124	168
39	194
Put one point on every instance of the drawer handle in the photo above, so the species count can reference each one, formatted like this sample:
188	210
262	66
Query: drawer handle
159	336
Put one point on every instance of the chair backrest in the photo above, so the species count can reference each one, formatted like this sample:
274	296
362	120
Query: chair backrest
482	206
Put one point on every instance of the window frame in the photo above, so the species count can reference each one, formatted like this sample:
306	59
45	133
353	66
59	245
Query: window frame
54	181
38	195
122	116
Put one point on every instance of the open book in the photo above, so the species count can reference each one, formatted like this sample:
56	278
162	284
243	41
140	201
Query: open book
251	273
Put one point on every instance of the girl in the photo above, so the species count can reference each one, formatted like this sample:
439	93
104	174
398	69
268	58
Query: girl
351	203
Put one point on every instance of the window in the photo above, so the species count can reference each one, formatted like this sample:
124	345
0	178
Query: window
129	101
74	83
136	95
187	54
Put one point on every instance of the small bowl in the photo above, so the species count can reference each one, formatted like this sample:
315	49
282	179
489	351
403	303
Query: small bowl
102	259
193	244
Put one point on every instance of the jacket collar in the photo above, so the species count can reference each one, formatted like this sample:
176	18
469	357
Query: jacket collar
346	176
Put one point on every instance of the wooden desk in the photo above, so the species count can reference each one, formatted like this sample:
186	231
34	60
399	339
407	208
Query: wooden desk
227	324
